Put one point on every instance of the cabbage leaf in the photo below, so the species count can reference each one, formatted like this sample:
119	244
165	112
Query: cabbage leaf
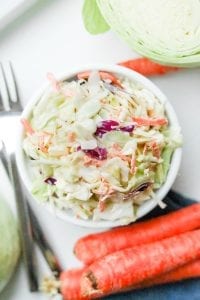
93	20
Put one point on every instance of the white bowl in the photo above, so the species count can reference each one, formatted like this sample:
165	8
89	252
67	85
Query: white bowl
147	206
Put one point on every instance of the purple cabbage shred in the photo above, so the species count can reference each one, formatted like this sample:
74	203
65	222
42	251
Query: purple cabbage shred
128	128
106	126
50	180
110	125
97	153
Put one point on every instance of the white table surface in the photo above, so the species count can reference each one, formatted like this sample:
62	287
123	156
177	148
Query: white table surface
51	37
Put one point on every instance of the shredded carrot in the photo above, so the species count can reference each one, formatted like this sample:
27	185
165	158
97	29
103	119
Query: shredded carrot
155	149
102	205
103	75
103	198
42	145
145	149
54	82
71	137
153	146
104	188
150	121
117	153
56	85
44	140
27	126
133	163
105	191
88	161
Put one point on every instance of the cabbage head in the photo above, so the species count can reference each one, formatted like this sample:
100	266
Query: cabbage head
166	31
9	243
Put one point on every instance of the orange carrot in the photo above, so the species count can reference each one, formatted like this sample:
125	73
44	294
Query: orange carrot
103	75
94	246
71	279
70	284
128	267
190	270
187	271
150	122
27	126
147	67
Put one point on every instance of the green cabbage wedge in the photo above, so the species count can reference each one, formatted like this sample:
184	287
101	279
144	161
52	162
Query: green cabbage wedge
166	31
9	243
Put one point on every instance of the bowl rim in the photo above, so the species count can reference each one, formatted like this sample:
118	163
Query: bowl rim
147	206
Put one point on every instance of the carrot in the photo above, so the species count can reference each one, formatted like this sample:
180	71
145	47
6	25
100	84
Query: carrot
94	246
128	267
103	75
71	279
190	270
149	121
27	126
147	67
187	271
70	284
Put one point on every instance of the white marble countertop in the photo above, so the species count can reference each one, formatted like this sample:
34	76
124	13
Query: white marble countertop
51	37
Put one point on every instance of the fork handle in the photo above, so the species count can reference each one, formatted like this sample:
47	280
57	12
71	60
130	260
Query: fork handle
37	232
44	245
25	229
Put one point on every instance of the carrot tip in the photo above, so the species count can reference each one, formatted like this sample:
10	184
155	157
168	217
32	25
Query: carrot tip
89	285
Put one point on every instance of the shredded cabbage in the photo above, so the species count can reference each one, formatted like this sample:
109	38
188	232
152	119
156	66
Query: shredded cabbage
99	152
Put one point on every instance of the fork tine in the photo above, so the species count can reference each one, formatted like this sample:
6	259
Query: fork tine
15	103
5	96
15	96
4	158
1	102
9	93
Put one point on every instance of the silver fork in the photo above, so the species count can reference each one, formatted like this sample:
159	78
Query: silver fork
10	110
9	116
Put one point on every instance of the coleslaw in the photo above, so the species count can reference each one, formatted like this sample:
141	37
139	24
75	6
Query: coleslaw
98	145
